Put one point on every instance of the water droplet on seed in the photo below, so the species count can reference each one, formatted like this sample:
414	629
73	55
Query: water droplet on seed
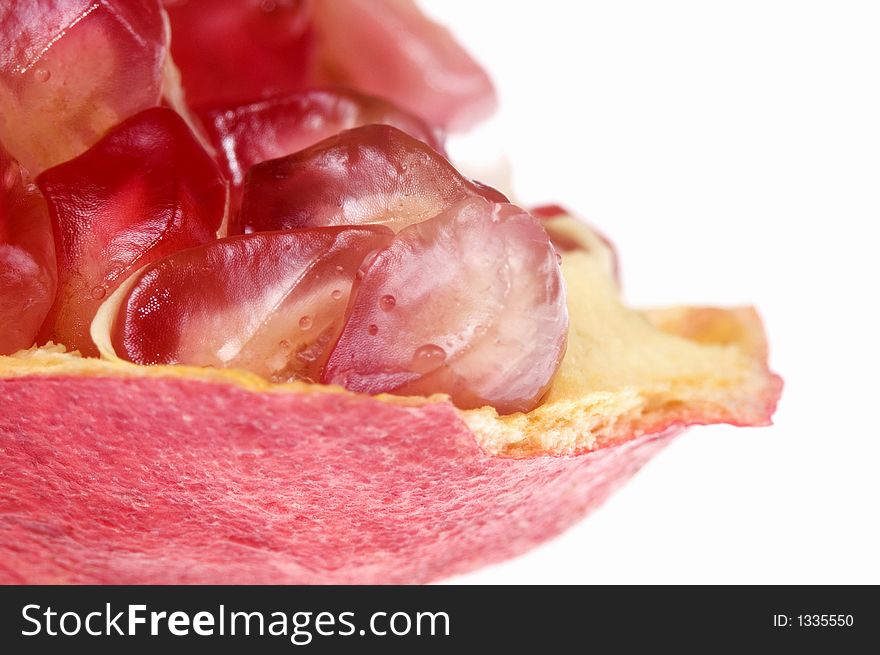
373	330
42	75
387	302
99	292
305	322
336	294
428	358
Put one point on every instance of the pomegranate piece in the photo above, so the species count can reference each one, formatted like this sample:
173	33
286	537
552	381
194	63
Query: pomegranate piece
145	190
27	258
72	69
245	135
470	303
271	303
236	51
367	175
389	48
579	236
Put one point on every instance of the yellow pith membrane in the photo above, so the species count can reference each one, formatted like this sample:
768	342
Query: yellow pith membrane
625	372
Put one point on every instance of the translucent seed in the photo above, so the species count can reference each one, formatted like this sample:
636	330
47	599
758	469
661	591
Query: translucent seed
305	322
373	330
42	75
387	302
336	294
284	344
99	292
428	358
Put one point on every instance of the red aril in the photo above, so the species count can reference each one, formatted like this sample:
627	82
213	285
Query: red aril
268	129
236	51
27	258
271	303
145	190
389	48
244	135
71	69
373	174
469	303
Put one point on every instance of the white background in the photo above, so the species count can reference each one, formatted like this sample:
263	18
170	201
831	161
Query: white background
731	150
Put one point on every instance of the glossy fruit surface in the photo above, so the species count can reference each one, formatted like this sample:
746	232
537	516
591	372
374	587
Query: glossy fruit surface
239	51
470	303
147	189
244	135
72	69
270	303
374	174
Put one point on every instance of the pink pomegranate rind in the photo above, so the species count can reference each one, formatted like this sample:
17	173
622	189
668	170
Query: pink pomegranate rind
177	481
118	474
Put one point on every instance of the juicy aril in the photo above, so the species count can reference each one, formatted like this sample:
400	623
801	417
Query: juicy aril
27	258
144	191
74	68
245	135
279	342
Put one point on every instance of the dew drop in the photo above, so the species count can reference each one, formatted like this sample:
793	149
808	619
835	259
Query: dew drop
99	292
336	294
387	302
305	322
42	75
373	329
427	358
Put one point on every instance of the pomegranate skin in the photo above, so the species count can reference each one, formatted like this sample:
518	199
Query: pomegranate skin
169	480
